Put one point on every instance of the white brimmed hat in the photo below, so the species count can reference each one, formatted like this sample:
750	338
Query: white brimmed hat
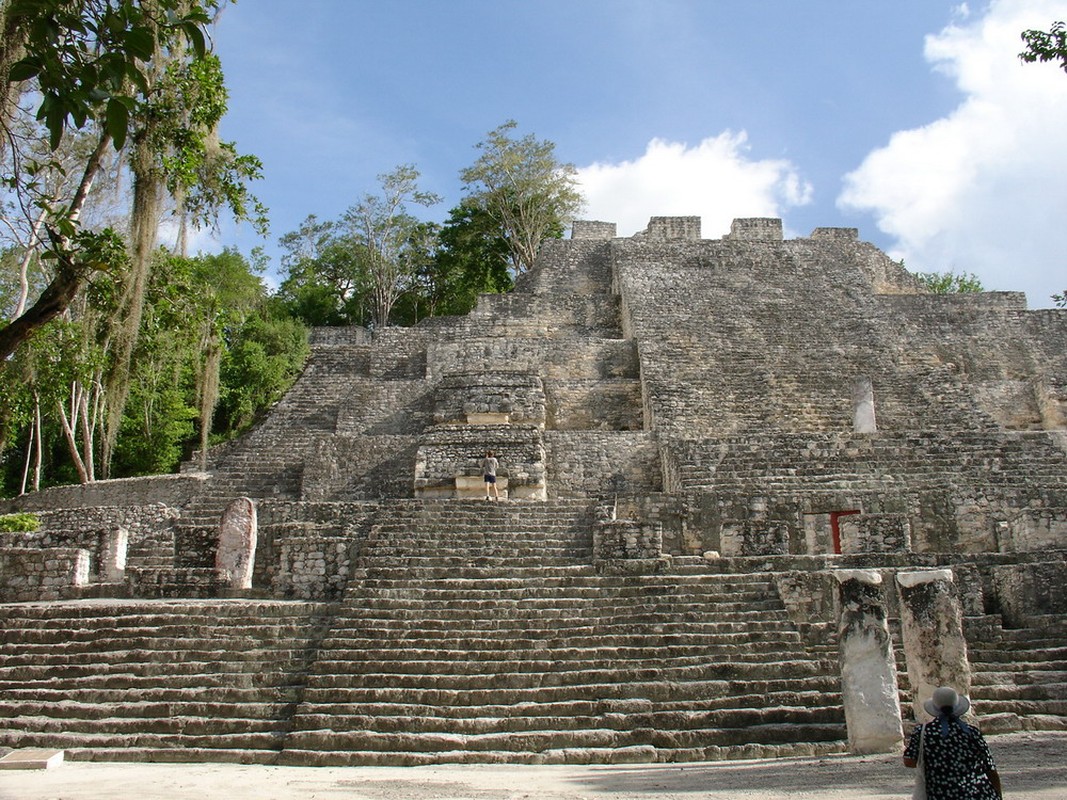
945	697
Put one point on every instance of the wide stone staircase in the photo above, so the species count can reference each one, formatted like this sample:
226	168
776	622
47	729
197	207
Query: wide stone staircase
481	632
1019	674
154	681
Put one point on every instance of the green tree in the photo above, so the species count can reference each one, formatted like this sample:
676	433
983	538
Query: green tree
386	234
472	258
1060	299
262	359
524	189
90	65
326	275
950	282
1046	46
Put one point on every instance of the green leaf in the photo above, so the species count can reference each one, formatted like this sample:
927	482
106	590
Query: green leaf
117	121
196	38
55	120
140	43
24	70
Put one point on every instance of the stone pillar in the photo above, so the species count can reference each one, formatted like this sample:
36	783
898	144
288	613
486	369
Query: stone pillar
589	229
236	555
113	555
868	668
935	648
863	420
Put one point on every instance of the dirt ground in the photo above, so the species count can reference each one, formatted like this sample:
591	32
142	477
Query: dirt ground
1033	767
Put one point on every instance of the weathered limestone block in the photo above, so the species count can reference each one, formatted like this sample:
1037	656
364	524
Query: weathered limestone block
28	574
1034	529
591	229
756	537
1024	590
868	668
673	228
875	533
935	648
808	596
113	547
236	555
756	229
623	539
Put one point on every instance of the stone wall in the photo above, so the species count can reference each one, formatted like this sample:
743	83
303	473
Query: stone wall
171	490
594	463
521	397
32	573
549	358
450	451
359	468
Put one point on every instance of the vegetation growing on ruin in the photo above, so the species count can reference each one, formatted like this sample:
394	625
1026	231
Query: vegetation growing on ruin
19	523
950	282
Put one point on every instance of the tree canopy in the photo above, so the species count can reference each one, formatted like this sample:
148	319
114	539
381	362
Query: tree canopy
521	185
1048	45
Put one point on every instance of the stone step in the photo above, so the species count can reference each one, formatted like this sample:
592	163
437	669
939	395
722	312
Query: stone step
520	679
543	626
142	710
247	741
1036	677
1034	661
541	741
57	657
72	673
587	606
174	638
673	721
153	680
425	664
443	564
585	579
125	725
1032	706
618	706
153	694
589	649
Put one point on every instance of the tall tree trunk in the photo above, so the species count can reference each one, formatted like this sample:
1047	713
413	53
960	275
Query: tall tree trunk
144	221
12	48
72	439
209	393
24	265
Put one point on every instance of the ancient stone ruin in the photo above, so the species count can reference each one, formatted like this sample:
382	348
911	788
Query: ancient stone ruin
759	496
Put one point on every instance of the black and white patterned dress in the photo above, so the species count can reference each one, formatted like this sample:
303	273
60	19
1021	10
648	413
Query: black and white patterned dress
956	765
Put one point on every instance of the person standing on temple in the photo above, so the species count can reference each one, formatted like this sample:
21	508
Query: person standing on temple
955	760
489	468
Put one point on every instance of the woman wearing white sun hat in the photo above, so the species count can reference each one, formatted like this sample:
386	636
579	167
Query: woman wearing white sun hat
956	762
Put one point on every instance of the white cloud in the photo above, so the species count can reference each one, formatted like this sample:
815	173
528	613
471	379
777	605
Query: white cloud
715	180
984	189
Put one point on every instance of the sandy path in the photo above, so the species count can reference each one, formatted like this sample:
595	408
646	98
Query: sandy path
1034	767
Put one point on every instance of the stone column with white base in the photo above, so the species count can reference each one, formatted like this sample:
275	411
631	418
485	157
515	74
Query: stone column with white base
113	555
935	647
868	668
238	534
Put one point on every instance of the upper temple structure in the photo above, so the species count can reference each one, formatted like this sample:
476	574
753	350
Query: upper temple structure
758	497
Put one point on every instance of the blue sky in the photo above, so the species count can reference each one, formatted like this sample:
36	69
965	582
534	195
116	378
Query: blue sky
911	120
